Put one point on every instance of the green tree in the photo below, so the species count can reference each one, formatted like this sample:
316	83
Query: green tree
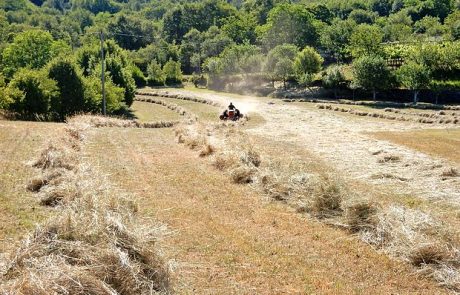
31	93
241	28
366	40
333	78
336	37
288	23
155	74
69	81
31	49
361	16
429	26
307	63
284	70
278	53
130	32
172	72
370	72
415	77
452	23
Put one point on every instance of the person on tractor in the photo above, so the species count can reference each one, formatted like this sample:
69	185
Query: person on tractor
231	113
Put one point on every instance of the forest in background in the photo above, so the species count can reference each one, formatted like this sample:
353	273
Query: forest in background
50	59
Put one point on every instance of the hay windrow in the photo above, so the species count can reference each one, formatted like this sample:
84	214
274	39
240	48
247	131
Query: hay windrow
406	234
95	245
424	118
99	122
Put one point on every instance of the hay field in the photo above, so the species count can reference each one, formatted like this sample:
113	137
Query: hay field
295	200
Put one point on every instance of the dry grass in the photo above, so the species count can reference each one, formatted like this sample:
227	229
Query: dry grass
19	210
361	216
174	107
98	122
96	241
266	246
149	112
327	198
428	117
389	159
450	172
442	143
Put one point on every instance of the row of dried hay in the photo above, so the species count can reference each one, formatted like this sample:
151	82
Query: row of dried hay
411	235
402	118
174	107
95	244
160	93
98	122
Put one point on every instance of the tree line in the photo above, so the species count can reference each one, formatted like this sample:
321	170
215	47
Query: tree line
50	52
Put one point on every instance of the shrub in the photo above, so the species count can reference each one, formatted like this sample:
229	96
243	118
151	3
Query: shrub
333	78
30	93
122	77
138	76
172	72
93	95
70	83
156	77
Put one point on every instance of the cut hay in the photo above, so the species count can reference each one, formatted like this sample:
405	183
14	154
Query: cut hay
242	174
207	150
327	199
361	216
99	122
95	245
450	172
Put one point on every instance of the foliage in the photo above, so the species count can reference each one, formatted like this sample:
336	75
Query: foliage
336	37
31	49
288	23
155	74
138	76
284	70
31	93
333	78
172	72
415	77
365	40
307	63
69	81
371	73
286	51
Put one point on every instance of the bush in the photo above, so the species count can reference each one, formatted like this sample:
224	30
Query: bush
138	76
172	72
333	78
122	77
31	93
93	95
156	77
69	80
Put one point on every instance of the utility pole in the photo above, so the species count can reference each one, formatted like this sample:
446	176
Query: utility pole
103	74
